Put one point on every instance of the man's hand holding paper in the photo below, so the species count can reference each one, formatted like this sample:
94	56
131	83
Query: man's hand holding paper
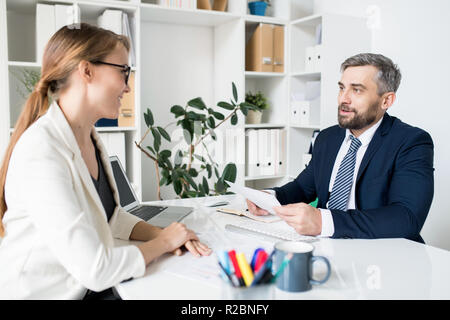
258	202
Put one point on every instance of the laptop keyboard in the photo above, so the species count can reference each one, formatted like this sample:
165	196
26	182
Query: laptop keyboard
147	212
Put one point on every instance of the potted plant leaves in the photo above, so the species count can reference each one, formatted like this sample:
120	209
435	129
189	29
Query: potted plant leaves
176	167
260	102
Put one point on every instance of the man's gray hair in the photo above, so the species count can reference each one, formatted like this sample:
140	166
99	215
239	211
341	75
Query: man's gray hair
388	77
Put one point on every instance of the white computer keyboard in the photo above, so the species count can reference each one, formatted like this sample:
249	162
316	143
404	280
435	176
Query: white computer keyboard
280	230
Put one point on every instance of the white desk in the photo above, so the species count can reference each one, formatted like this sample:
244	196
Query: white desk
361	269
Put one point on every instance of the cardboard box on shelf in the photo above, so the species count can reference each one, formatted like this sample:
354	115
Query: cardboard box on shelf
278	48
127	109
259	49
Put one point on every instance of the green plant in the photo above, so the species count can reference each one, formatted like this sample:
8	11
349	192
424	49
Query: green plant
176	166
258	99
29	78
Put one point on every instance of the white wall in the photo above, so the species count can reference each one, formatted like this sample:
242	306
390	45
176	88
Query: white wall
415	34
189	75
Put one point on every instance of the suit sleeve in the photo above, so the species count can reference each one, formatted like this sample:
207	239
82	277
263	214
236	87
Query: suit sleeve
409	197
303	188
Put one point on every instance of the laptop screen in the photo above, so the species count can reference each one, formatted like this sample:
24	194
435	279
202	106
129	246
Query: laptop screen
125	193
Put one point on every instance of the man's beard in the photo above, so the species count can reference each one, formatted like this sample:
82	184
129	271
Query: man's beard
359	120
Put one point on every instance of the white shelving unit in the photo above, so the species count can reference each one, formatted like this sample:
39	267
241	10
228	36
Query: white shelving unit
335	49
265	126
20	22
186	53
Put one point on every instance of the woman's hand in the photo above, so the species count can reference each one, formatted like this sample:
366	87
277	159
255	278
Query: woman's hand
171	239
176	235
195	247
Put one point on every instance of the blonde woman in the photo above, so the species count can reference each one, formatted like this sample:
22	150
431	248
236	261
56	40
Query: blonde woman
58	198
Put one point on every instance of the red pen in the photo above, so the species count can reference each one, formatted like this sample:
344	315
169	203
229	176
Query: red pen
237	271
260	260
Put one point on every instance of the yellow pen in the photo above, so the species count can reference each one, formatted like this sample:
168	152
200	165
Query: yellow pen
246	271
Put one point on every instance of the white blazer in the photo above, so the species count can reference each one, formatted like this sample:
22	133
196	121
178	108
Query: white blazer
58	242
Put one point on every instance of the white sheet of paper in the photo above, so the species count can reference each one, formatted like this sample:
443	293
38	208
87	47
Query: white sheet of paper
261	199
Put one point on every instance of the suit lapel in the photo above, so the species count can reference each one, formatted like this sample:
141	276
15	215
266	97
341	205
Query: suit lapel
375	144
65	131
333	149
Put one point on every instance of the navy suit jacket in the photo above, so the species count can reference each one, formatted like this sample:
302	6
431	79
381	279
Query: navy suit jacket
394	185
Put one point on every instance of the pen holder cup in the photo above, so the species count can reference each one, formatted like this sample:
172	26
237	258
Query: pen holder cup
258	292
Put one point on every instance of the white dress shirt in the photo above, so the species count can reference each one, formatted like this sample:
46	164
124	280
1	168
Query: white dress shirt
365	138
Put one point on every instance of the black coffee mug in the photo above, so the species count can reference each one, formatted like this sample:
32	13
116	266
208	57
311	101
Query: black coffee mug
295	275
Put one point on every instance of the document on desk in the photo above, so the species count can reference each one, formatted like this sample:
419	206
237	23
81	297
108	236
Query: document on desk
261	199
204	269
243	213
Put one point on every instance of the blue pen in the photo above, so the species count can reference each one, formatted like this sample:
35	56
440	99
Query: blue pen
263	270
225	267
255	254
225	260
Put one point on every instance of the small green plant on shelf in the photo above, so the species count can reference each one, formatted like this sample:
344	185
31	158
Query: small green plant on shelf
259	100
189	166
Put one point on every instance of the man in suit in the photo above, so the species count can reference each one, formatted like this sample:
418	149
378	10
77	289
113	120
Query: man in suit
372	173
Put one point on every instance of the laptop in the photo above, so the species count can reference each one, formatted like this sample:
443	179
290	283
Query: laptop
160	216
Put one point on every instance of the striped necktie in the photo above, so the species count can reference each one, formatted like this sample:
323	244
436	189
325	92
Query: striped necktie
344	178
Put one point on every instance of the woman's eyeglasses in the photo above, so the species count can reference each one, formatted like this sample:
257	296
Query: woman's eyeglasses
126	69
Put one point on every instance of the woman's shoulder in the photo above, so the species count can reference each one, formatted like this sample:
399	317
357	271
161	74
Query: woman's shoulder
41	138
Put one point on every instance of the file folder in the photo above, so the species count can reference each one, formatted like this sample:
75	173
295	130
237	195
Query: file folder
104	122
111	20
309	59
252	153
304	112
295	112
114	143
232	145
262	150
274	146
317	58
259	49
66	15
45	27
280	163
126	112
278	49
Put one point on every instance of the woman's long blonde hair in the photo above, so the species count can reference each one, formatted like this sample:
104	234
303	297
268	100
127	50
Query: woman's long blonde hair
63	52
